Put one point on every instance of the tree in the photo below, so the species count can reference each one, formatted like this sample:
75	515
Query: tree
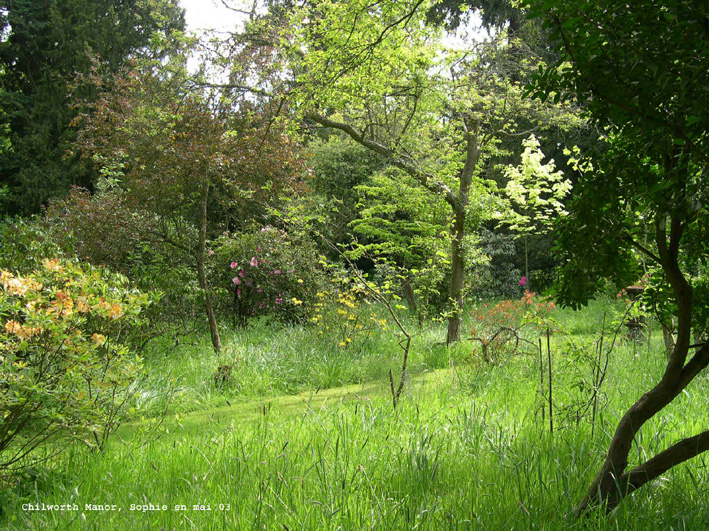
169	151
44	45
339	166
535	192
376	73
642	71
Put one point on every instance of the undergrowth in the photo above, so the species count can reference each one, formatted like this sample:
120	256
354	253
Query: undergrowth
469	446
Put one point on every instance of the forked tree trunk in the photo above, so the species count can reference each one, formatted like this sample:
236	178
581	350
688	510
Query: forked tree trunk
202	272
613	482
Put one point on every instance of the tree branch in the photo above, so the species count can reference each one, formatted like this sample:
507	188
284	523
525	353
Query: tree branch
662	462
424	178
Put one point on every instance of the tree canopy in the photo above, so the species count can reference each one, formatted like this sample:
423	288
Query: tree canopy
642	74
44	45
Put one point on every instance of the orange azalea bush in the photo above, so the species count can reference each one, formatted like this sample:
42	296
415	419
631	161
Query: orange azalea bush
65	369
498	327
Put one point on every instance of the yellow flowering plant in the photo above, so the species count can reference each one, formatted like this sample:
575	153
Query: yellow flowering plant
65	363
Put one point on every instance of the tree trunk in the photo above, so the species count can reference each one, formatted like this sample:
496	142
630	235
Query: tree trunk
409	294
526	264
613	482
202	272
460	206
455	293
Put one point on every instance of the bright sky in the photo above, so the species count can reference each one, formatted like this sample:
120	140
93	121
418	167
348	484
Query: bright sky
209	14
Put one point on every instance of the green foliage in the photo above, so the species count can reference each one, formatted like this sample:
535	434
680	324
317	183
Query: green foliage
338	167
401	220
645	87
499	276
266	273
46	45
535	191
25	243
66	368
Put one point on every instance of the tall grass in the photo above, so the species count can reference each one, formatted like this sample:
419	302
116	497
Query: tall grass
466	449
270	359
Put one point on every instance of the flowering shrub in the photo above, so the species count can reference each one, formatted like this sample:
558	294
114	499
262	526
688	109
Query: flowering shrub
64	368
498	327
266	272
342	315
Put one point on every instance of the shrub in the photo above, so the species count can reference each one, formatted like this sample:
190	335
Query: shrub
343	317
25	243
101	228
497	327
106	229
266	273
65	369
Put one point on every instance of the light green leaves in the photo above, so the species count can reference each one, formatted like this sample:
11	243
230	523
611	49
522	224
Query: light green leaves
535	191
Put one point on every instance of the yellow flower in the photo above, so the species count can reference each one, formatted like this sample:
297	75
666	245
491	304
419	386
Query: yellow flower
342	344
115	311
13	327
21	331
300	281
17	285
98	339
296	301
52	265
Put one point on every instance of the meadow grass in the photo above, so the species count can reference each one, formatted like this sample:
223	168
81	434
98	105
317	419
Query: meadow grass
467	448
271	360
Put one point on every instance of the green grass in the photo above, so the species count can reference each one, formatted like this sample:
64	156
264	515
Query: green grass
466	449
271	360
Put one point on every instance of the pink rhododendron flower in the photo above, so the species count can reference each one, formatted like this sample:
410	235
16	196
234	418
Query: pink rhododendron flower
279	300
241	273
236	280
233	265
522	281
238	292
277	272
254	262
258	249
210	252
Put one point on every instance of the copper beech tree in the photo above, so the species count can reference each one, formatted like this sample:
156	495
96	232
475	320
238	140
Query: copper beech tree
179	154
